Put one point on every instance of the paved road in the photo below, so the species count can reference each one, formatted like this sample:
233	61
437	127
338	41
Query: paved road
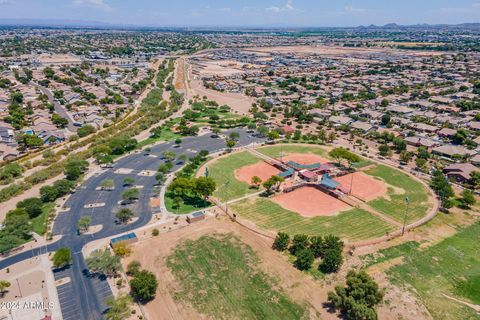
59	108
85	294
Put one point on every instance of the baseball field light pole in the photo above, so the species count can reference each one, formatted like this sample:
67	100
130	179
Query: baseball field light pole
351	185
407	200
226	184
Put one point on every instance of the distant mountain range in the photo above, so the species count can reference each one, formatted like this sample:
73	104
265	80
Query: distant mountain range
59	23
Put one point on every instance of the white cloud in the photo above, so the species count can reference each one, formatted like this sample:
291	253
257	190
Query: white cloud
353	10
474	8
98	4
287	7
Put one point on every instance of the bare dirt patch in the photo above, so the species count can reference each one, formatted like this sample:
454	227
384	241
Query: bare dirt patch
152	254
262	170
364	187
237	101
310	202
155	202
304	158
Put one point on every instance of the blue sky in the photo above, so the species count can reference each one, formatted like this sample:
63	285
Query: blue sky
246	12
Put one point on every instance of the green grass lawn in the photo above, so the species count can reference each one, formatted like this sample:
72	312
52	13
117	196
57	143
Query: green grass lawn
390	253
189	206
39	224
395	206
223	170
451	267
219	276
353	225
277	150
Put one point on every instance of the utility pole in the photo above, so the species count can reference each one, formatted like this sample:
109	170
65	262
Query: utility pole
351	185
226	184
407	200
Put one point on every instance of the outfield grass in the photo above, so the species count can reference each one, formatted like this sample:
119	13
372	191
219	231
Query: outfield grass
353	225
279	150
39	224
219	276
451	267
395	205
223	170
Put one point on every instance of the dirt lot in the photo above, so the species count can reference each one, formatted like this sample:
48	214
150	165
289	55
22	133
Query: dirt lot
364	187
336	51
262	170
152	254
310	202
237	101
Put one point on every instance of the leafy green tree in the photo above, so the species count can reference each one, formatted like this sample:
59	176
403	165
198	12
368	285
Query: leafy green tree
317	246
475	178
406	156
386	119
4	284
234	136
33	206
84	223
59	121
124	215
128	181
169	156
331	262
118	307
384	150
341	153
272	182
205	186
468	198
29	141
85	130
107	184
48	193
299	242
400	144
359	298
133	268
273	135
103	262
282	240
62	258
262	131
230	143
331	242
143	286
130	195
305	258
256	181
442	187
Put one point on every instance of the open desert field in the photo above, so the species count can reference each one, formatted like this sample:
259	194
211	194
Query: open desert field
237	101
216	269
335	51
